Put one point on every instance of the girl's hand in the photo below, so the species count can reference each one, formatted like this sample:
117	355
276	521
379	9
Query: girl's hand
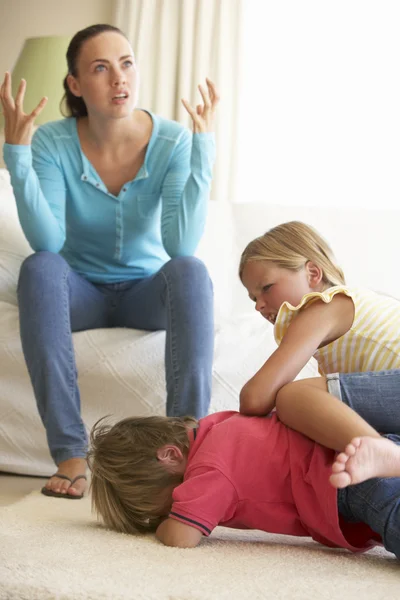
18	126
204	115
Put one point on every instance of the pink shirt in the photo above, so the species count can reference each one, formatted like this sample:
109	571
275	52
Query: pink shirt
255	473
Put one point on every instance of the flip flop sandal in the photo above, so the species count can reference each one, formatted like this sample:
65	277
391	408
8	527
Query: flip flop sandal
47	492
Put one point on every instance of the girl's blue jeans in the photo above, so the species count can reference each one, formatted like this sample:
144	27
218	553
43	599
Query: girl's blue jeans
376	397
55	301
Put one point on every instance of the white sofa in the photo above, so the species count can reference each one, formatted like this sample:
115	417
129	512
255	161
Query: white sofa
121	371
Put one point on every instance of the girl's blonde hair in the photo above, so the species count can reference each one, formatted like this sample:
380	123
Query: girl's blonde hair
131	489
290	246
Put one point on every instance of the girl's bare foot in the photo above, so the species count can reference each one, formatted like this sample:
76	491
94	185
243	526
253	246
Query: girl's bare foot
71	468
364	458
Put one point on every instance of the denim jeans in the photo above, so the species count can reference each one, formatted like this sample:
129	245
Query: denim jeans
375	502
376	397
55	301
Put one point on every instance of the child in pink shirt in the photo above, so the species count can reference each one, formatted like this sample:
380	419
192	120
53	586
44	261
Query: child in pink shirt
181	478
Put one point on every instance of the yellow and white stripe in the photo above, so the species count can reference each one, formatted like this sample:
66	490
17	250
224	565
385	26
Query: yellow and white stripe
371	344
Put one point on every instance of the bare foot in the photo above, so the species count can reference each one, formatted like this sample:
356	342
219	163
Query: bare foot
71	468
364	458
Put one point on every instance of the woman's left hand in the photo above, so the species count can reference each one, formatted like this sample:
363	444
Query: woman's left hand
204	115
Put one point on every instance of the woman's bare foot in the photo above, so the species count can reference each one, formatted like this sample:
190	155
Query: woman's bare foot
71	468
364	458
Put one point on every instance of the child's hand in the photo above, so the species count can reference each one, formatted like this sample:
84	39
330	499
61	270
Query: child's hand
179	535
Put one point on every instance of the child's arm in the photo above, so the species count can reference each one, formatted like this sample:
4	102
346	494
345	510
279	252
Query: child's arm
174	533
315	326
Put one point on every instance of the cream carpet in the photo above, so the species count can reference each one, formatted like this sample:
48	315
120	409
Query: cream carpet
54	549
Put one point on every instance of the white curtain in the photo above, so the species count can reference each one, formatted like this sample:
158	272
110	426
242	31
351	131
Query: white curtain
177	43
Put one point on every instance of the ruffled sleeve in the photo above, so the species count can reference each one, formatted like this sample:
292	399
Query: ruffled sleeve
287	312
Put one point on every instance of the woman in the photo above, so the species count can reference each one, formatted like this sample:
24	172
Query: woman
113	201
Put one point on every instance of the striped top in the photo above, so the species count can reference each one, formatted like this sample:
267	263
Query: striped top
372	342
64	206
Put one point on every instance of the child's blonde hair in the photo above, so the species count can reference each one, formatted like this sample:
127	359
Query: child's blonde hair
290	246
130	487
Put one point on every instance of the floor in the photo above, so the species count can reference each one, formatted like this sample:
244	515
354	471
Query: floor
16	487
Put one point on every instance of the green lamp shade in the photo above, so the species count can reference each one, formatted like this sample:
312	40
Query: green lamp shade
42	63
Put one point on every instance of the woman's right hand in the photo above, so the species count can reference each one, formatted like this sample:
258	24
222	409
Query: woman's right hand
18	126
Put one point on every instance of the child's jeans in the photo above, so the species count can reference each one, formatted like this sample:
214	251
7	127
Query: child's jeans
375	502
376	397
54	301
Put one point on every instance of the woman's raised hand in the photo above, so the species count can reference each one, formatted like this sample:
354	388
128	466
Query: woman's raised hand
18	126
204	115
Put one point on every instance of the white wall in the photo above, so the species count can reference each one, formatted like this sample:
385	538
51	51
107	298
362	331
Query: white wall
321	95
20	19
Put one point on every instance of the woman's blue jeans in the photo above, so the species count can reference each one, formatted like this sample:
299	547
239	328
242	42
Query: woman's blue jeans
55	301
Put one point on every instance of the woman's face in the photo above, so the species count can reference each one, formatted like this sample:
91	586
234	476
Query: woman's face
107	77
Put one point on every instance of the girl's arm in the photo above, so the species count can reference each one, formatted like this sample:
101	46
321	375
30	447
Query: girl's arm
186	187
315	326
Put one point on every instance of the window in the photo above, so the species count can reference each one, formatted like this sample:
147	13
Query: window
319	116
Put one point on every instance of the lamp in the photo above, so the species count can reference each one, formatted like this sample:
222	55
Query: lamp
43	65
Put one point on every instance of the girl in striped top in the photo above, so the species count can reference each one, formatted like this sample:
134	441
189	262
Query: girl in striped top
291	275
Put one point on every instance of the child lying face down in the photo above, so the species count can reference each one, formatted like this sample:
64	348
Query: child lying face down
181	478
